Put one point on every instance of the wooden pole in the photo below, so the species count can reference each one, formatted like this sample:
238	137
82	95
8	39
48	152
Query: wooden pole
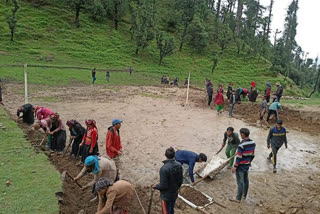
187	100
25	84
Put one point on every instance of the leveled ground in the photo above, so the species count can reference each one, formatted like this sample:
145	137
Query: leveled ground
155	118
28	182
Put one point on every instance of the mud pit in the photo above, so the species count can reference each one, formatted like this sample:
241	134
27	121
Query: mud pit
155	119
194	196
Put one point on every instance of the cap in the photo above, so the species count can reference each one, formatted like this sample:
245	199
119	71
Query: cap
116	121
278	83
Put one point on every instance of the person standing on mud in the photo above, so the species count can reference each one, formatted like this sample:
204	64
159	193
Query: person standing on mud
278	93
210	93
276	137
113	142
101	168
27	113
232	102
93	73
42	112
77	132
267	92
245	155
219	101
229	91
263	108
115	197
89	142
273	109
171	179
58	133
188	160
233	142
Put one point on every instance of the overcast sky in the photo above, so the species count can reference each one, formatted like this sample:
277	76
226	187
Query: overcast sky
308	32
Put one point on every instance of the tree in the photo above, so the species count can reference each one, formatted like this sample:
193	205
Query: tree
97	9
198	36
289	34
166	46
116	9
11	19
269	20
77	5
215	58
187	9
218	8
143	26
316	84
239	17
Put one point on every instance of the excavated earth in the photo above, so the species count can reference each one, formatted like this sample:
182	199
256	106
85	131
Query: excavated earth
156	118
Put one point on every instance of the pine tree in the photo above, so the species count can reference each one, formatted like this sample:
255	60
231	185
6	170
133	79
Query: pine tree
77	5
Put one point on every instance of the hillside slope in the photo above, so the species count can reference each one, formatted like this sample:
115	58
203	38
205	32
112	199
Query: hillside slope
47	35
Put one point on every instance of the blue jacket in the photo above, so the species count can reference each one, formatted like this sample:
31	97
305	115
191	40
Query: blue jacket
277	137
189	158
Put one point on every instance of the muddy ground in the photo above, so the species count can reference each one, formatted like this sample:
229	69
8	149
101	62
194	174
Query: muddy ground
156	118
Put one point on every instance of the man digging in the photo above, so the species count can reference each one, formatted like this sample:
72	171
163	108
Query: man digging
188	160
276	138
233	142
245	155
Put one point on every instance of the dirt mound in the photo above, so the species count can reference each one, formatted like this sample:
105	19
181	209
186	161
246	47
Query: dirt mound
194	196
293	119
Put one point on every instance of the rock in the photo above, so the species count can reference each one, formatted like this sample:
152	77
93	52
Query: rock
81	212
282	211
8	183
310	178
295	210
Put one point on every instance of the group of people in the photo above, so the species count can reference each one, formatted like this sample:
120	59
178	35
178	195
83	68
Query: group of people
240	94
93	74
165	80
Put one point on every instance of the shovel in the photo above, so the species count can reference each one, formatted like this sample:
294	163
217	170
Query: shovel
70	142
150	202
43	140
63	176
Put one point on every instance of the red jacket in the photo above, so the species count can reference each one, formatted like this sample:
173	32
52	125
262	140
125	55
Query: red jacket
113	142
93	134
218	99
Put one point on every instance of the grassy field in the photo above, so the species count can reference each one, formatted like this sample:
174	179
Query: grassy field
47	35
34	180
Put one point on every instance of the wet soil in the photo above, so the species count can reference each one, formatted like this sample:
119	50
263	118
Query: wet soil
156	118
193	195
302	121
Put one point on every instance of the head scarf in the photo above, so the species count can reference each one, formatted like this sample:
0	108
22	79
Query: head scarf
102	184
93	160
70	123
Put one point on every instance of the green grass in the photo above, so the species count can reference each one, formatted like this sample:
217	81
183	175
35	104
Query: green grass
299	103
34	179
47	35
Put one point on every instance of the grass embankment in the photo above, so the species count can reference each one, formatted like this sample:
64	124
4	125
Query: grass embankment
47	35
34	180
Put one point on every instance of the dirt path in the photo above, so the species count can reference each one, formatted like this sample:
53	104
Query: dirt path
154	119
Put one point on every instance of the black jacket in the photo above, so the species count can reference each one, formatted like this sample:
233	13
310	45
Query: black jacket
171	178
279	91
27	113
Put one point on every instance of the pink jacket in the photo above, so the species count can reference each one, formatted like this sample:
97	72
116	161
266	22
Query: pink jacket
43	113
218	99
